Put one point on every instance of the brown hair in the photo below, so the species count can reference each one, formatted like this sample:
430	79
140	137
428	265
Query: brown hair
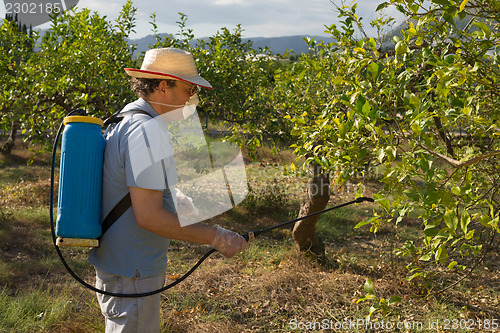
143	87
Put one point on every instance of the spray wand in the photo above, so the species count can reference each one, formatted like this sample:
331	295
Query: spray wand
250	235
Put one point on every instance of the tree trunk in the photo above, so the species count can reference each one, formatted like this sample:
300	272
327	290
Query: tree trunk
318	195
7	147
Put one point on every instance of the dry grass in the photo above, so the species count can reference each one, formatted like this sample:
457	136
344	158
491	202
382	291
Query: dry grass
264	289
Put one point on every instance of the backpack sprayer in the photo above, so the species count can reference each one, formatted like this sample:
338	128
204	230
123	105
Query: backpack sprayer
79	197
80	181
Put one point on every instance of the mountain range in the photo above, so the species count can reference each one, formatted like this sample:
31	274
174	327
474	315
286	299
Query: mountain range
277	45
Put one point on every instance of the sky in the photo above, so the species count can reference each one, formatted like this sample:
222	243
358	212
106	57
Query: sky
258	18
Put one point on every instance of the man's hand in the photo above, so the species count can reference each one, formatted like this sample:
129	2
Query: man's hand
228	242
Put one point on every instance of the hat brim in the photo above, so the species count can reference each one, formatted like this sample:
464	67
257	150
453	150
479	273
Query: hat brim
140	73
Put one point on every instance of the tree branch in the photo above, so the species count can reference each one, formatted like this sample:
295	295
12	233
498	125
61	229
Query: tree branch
457	164
477	159
448	159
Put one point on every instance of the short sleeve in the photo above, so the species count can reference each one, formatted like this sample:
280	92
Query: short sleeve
149	156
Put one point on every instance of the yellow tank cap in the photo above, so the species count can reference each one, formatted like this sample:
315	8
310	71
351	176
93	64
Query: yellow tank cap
82	119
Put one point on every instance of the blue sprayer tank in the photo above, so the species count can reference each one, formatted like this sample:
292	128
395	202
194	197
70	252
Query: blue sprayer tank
80	178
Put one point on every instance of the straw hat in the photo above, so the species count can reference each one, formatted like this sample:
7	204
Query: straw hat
169	63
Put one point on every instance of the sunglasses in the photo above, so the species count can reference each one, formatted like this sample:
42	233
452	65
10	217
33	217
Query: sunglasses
193	90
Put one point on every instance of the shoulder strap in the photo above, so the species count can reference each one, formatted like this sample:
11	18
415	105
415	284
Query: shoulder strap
118	116
121	207
125	203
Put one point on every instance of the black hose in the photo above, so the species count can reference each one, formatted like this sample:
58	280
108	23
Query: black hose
61	257
183	277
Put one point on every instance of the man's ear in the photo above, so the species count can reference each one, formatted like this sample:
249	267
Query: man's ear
162	86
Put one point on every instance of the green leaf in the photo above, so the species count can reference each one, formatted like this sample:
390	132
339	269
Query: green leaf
486	30
385	204
451	219
380	155
415	101
361	224
372	42
462	15
416	128
366	108
449	18
360	102
487	222
401	48
411	30
414	8
470	235
369	286
441	2
391	153
462	5
441	254
409	278
475	248
425	257
382	6
413	194
360	50
343	129
425	164
464	221
366	298
373	68
359	192
369	221
394	299
493	223
372	310
431	232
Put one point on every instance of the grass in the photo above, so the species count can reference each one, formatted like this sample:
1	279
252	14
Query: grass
33	311
270	287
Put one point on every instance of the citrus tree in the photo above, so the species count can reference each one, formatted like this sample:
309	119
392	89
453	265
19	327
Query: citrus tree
16	47
425	113
78	64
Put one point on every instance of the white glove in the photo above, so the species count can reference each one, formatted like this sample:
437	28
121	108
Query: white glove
228	242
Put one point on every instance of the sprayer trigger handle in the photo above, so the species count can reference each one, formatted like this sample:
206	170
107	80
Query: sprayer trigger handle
361	199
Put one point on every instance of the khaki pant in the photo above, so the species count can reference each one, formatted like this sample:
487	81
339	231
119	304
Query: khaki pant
130	315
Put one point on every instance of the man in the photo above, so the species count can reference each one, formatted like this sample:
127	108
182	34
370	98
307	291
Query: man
131	257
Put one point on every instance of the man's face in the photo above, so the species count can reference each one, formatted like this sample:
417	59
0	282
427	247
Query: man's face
181	93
